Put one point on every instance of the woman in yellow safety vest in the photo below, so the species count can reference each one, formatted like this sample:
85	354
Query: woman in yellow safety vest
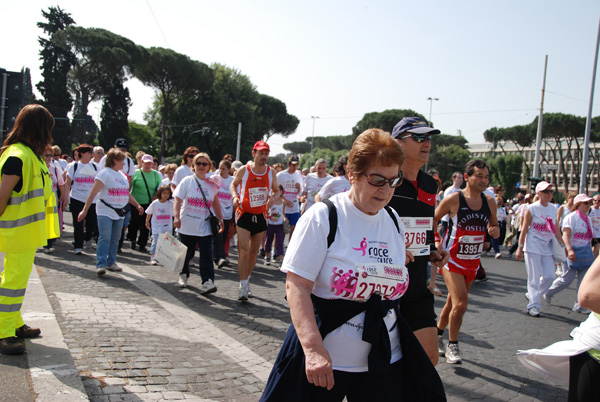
28	217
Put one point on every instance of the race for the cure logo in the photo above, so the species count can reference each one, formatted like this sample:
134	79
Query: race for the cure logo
375	250
363	247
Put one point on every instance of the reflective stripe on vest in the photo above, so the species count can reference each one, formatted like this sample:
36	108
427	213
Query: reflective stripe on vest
32	194
10	308
12	292
40	216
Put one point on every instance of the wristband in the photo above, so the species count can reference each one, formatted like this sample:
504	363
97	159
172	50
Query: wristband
521	245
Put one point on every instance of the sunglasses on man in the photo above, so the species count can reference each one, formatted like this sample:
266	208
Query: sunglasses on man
419	138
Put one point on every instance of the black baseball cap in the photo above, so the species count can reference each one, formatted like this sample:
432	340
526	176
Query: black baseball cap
121	143
414	125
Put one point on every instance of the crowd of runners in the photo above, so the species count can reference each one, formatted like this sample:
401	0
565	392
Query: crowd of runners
212	206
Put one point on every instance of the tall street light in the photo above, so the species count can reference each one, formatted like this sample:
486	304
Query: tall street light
312	141
430	99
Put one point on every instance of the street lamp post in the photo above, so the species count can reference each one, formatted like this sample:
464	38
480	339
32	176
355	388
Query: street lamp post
312	141
430	99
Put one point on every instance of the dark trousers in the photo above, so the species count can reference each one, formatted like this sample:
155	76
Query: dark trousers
207	268
219	241
137	224
90	222
363	386
515	245
584	374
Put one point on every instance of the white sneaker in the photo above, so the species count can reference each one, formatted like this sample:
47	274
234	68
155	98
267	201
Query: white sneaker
208	287
578	309
222	262
100	271
153	261
441	346
453	354
534	312
498	255
114	268
78	251
267	261
243	293
182	283
527	296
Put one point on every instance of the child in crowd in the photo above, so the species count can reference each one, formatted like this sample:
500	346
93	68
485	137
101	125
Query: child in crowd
276	215
159	217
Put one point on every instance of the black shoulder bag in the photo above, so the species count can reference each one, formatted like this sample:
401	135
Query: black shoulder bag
214	221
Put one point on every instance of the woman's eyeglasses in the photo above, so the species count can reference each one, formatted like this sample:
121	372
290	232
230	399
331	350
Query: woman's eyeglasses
191	155
419	138
48	155
202	164
548	191
378	180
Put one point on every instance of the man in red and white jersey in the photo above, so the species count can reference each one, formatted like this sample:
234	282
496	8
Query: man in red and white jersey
472	215
250	190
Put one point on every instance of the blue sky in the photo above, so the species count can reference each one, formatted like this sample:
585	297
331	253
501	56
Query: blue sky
341	59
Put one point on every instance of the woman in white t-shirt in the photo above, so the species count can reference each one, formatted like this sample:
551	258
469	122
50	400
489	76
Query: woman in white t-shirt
577	235
220	251
112	187
537	230
195	197
354	285
58	187
79	182
186	168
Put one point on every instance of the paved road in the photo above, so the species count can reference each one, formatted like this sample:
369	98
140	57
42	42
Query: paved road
135	336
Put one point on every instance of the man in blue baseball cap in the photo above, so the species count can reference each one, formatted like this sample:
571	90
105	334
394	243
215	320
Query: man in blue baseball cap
414	201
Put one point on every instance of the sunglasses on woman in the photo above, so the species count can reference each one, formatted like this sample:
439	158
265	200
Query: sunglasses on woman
548	191
378	180
419	138
202	164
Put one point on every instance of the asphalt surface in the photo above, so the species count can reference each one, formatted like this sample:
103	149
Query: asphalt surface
135	336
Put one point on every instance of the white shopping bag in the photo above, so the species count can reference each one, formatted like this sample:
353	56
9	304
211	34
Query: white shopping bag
170	252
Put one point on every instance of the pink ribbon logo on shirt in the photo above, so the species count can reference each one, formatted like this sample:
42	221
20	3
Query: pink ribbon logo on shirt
363	247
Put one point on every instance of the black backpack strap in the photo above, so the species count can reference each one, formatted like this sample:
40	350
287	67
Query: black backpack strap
389	211
333	222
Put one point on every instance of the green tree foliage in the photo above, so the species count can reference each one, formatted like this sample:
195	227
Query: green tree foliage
335	142
298	148
101	58
115	110
143	138
506	170
449	159
273	117
28	96
175	77
385	120
56	64
329	155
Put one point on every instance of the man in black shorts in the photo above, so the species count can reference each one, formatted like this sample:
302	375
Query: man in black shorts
250	190
414	201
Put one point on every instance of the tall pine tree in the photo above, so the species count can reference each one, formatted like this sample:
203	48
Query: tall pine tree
56	64
115	111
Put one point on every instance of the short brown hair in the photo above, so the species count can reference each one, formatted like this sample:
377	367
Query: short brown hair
374	146
188	151
114	154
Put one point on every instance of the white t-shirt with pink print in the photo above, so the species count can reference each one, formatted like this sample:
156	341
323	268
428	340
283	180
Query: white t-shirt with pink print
367	257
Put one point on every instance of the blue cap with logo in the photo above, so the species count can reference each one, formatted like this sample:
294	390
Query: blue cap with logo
414	125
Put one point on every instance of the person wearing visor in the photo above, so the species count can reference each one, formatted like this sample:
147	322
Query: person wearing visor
535	244
414	201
